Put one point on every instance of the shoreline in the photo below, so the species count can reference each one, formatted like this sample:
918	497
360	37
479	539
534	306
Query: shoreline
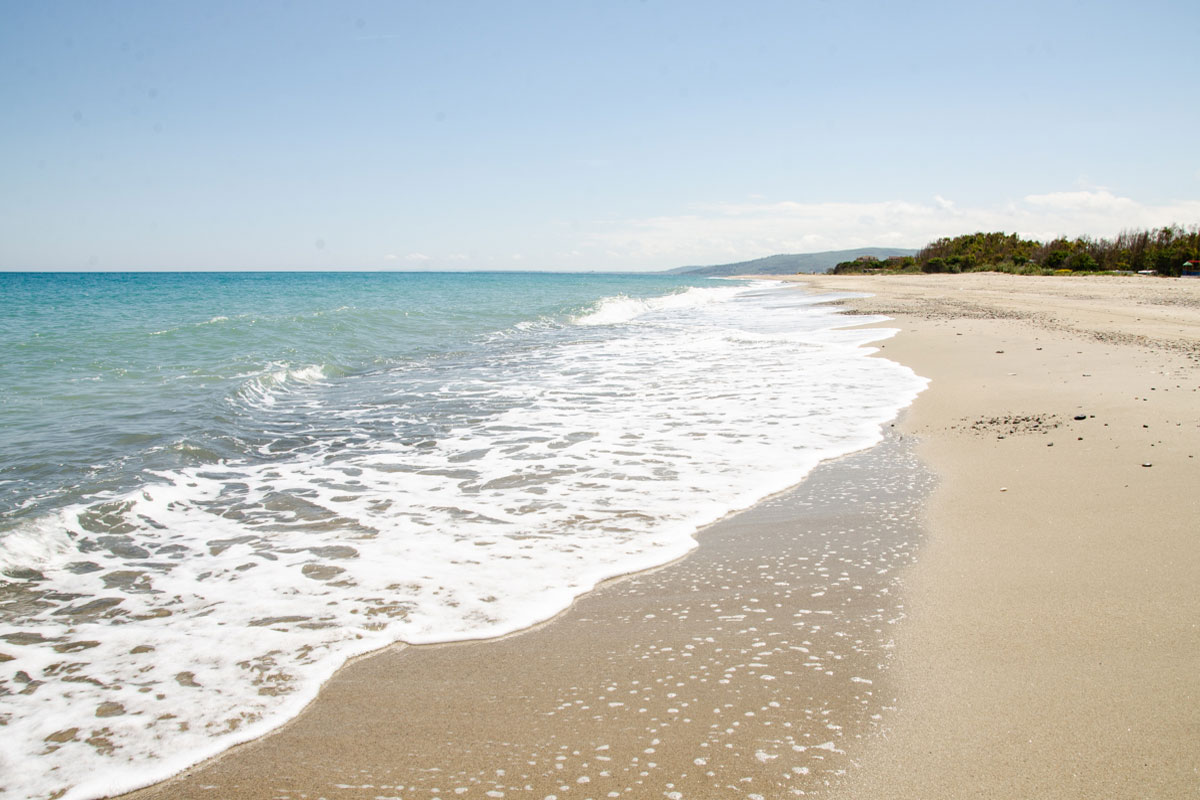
683	678
1054	633
992	690
558	457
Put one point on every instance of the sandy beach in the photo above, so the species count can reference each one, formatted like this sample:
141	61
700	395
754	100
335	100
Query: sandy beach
1053	638
998	601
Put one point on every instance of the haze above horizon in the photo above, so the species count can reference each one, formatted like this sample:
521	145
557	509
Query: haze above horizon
580	136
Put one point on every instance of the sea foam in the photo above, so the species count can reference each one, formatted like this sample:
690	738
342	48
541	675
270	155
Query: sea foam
614	310
458	497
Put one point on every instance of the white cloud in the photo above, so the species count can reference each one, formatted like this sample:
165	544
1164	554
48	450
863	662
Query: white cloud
416	258
1099	213
721	232
1090	200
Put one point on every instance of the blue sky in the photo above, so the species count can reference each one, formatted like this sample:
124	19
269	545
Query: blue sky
580	135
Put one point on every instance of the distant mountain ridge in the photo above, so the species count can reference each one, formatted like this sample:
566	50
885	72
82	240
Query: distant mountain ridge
790	264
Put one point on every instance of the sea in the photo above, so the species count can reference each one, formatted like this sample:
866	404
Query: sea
216	488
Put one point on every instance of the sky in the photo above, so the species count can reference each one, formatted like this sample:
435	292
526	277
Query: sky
573	135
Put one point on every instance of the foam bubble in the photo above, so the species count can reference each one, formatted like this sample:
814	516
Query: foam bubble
35	545
462	497
619	309
263	389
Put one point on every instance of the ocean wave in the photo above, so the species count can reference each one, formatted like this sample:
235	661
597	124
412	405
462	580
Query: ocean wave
264	389
622	308
458	497
216	320
34	546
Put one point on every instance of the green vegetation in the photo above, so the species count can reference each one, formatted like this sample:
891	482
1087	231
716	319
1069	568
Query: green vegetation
1163	250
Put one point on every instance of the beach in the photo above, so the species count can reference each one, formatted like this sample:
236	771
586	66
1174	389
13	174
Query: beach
750	668
271	475
1054	626
998	601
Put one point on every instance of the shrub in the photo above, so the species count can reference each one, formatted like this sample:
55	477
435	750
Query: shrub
1056	259
1081	262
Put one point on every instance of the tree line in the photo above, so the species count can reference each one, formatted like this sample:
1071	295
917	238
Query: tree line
1162	250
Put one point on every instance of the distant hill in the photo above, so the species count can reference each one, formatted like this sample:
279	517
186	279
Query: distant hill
793	263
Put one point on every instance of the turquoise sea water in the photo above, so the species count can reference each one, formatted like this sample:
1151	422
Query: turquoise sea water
216	488
106	375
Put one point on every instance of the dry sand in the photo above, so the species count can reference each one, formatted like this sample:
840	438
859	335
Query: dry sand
1051	646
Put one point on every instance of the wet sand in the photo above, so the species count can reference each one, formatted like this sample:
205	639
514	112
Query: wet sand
750	668
1046	639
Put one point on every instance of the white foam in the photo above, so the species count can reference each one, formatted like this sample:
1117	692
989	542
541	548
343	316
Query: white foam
511	486
263	389
36	545
619	309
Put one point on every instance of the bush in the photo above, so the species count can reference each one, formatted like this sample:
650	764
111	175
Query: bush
1081	262
1056	259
